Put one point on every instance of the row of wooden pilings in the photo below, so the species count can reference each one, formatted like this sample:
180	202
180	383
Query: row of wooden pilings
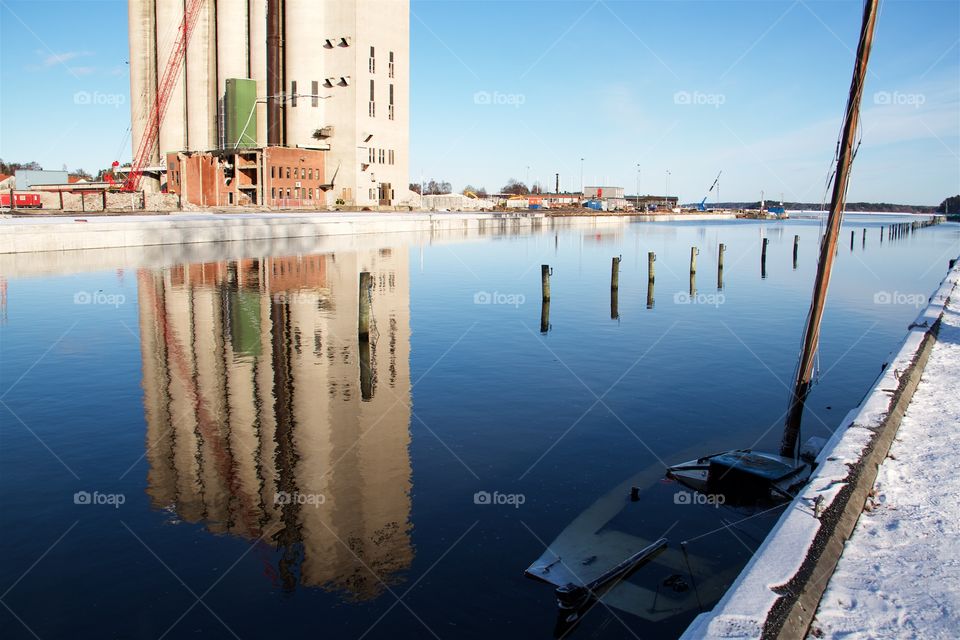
892	232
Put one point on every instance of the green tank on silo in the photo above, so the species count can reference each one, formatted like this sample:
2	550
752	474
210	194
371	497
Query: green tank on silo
239	109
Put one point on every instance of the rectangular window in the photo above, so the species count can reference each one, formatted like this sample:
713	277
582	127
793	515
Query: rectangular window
391	156
310	173
372	109
391	94
288	193
315	93
273	171
382	156
273	193
390	65
293	93
372	196
390	112
370	155
371	90
303	173
373	61
288	173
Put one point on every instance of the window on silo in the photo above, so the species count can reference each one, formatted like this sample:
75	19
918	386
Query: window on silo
315	93
293	93
390	65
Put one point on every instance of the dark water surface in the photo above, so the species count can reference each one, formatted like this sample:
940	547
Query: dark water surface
205	450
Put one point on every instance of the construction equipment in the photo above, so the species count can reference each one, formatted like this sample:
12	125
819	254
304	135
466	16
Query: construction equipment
716	181
171	74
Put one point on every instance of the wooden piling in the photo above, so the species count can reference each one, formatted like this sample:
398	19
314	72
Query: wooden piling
720	253
881	235
763	258
651	258
796	248
545	315
864	244
650	286
545	281
614	304
693	259
366	287
852	236
615	273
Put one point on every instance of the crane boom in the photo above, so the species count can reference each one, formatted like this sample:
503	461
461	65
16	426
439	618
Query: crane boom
171	74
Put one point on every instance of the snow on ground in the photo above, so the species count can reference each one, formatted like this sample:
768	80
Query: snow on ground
899	575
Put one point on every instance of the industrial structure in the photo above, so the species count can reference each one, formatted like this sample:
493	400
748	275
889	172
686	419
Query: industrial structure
217	86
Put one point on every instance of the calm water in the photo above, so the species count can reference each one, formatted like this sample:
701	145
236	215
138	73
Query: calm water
203	448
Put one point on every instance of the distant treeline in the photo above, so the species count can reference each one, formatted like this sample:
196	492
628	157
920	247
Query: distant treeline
951	205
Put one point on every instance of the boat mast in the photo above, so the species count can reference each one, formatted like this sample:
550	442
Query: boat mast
811	337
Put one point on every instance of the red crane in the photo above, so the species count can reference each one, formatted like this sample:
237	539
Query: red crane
164	88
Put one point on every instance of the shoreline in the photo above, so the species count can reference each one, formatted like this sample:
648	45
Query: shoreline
70	233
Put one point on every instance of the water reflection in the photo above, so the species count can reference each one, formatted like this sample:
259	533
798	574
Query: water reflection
266	417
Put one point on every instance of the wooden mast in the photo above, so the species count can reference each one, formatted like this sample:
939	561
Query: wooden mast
811	337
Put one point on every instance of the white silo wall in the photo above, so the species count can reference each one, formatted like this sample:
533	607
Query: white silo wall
143	77
257	37
303	63
201	82
173	134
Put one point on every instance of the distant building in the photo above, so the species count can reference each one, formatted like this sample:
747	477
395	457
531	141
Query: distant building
654	203
27	178
611	197
7	181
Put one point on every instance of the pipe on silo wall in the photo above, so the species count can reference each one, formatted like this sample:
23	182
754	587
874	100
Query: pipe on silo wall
303	35
201	83
143	77
231	47
275	76
257	61
173	128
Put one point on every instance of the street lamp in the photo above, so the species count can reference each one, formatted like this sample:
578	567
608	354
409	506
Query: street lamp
666	192
581	178
638	187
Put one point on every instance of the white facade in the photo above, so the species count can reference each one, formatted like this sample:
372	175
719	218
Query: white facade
345	68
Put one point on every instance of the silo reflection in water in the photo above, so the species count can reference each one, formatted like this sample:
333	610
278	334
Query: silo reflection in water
265	421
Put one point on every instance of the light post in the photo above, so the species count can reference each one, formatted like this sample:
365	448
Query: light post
638	187
666	192
581	178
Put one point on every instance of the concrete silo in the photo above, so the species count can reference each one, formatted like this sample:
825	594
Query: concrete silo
143	77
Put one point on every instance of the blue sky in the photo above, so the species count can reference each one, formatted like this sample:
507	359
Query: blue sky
754	89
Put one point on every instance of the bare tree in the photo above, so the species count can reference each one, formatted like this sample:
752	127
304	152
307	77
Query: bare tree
515	187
